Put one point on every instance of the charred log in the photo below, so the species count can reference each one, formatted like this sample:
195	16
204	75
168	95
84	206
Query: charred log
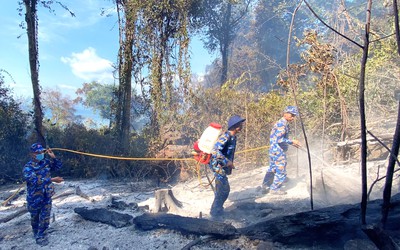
380	237
103	215
328	227
185	225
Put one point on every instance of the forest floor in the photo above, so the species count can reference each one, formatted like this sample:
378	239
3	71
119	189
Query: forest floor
339	185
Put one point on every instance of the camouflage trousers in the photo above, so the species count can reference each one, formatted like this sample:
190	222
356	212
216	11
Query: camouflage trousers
276	173
40	218
222	189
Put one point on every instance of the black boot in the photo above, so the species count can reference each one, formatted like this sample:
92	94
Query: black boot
268	179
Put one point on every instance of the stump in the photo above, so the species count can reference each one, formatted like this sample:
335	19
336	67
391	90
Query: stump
166	201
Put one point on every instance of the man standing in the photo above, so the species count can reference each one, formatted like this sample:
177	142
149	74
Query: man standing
279	143
221	163
40	189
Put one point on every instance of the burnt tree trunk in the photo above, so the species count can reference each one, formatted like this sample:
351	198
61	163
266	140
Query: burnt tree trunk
380	237
103	215
329	228
185	224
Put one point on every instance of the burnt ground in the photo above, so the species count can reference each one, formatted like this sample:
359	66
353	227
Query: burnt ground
245	206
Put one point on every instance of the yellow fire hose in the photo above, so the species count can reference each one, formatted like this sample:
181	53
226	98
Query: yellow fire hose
137	159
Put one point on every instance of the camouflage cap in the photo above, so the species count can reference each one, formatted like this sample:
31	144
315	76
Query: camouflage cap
292	110
36	148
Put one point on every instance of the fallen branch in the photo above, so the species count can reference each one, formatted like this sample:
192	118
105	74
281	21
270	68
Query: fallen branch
13	195
23	210
19	212
79	192
66	193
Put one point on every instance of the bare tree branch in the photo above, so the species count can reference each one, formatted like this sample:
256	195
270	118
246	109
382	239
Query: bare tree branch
345	37
295	100
396	24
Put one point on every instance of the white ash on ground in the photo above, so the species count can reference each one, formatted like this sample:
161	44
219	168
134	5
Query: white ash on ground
245	205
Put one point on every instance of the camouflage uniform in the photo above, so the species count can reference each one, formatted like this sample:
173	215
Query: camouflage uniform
224	151
279	143
40	189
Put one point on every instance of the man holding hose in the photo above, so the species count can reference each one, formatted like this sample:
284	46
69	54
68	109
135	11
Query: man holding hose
279	144
40	189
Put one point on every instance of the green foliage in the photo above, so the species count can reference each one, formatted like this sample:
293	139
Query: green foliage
77	137
98	97
94	141
13	129
215	105
381	79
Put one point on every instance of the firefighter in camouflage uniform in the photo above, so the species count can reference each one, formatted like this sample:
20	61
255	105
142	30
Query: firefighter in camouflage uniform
279	144
221	163
40	189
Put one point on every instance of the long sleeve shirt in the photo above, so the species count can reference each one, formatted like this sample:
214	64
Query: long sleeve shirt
222	153
279	138
38	180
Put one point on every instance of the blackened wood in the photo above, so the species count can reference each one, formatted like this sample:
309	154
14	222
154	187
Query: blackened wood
380	237
185	224
105	216
329	228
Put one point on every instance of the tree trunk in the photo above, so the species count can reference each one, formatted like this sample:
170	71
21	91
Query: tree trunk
32	25
396	140
19	212
157	83
394	152
126	33
294	89
364	195
225	43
